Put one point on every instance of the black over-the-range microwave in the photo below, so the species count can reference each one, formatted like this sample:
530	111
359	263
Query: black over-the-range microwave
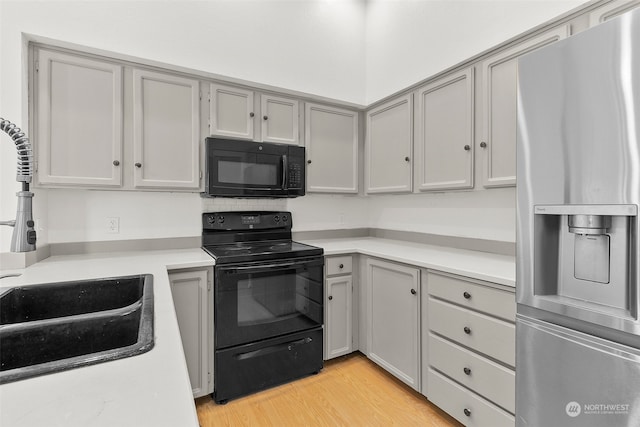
240	168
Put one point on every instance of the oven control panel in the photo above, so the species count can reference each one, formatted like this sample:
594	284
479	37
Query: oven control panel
237	220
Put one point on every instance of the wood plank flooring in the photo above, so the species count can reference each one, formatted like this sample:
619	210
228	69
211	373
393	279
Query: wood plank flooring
350	391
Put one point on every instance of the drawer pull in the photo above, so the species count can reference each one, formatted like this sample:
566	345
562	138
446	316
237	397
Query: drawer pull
330	297
467	371
467	330
341	266
467	412
466	295
413	292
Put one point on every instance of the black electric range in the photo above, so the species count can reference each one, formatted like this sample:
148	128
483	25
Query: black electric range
268	302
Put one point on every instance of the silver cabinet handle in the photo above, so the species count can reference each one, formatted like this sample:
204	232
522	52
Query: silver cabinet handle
251	114
138	165
116	163
483	144
467	147
406	159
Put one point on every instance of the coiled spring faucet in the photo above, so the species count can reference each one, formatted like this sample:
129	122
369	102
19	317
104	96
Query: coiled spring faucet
24	234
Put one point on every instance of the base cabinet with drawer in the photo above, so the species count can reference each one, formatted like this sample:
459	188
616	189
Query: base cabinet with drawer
393	318
338	307
191	292
470	349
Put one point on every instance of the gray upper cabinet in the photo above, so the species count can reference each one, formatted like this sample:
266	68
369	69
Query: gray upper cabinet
393	318
331	139
611	10
444	133
166	131
388	147
79	120
231	112
499	87
280	119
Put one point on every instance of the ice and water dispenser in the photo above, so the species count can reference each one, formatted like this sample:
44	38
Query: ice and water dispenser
585	257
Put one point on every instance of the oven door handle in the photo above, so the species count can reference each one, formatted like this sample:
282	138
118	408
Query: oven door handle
271	267
273	349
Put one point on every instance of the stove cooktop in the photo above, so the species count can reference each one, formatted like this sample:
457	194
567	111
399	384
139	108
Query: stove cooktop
260	251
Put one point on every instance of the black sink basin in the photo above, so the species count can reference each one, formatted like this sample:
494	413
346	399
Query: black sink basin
58	326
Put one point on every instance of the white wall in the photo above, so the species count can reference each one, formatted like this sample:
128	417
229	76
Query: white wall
489	214
408	41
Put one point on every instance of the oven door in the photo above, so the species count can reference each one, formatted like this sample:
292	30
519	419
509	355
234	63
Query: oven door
256	301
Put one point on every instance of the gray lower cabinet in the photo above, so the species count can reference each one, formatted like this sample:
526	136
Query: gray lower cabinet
393	318
191	291
470	349
338	307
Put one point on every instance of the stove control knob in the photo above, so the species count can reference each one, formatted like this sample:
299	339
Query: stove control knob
211	219
220	219
284	218
277	218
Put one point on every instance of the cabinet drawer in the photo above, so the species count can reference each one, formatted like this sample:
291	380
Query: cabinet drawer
454	399
487	378
494	337
339	265
472	295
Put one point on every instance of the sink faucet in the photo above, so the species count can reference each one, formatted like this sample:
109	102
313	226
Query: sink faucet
24	234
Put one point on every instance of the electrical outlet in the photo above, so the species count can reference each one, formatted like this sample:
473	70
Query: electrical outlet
113	225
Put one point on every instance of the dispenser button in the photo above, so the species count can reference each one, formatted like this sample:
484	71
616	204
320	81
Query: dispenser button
31	237
30	223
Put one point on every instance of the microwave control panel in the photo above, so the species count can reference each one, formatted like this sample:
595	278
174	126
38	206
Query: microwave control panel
295	175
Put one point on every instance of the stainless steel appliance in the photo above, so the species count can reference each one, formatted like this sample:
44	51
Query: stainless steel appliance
238	168
578	275
268	299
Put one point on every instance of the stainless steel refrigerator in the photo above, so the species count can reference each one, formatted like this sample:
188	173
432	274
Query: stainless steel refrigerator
578	248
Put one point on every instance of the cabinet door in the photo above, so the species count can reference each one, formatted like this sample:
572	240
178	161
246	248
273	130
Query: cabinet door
338	316
166	131
444	133
388	147
331	138
231	112
191	298
280	118
393	322
611	10
79	120
500	74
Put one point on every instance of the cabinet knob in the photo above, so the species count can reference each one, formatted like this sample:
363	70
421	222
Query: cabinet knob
308	162
116	163
251	114
467	330
138	165
467	412
466	295
341	266
467	147
413	292
483	144
265	117
467	371
330	297
406	159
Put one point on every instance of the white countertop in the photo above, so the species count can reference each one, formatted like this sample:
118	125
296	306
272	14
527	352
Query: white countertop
494	268
151	389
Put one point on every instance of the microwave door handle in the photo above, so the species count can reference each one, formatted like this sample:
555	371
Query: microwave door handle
285	167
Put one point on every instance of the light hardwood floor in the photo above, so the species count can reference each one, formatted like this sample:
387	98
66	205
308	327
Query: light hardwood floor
350	391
